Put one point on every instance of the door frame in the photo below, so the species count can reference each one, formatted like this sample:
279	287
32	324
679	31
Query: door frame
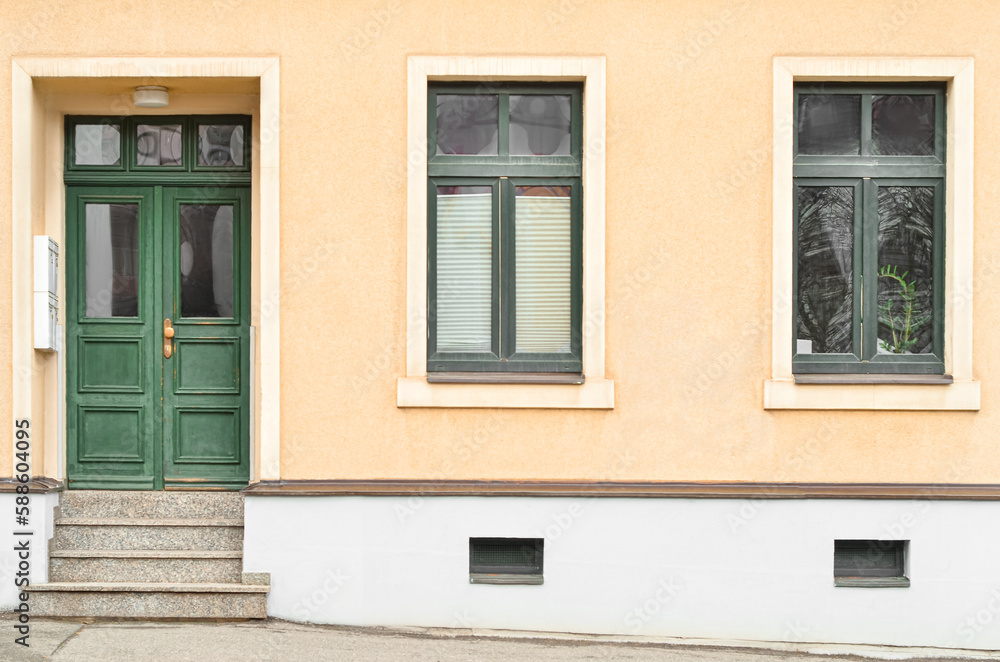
46	89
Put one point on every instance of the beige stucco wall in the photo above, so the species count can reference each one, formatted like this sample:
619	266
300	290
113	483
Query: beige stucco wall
688	245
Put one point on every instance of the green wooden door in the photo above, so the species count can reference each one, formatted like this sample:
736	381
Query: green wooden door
158	321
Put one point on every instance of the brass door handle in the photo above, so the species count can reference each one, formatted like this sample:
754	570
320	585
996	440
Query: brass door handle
168	343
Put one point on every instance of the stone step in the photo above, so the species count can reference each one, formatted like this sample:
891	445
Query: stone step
149	534
145	566
149	600
170	504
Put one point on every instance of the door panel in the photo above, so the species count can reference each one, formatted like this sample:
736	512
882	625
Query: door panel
207	298
112	384
137	418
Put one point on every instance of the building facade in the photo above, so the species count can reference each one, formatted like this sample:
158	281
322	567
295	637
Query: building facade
664	319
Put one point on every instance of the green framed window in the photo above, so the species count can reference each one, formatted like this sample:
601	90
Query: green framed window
869	175
505	229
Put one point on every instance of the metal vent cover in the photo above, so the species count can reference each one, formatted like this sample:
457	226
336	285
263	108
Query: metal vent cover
868	558
511	556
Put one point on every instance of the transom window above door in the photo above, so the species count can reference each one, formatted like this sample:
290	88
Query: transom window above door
158	143
505	229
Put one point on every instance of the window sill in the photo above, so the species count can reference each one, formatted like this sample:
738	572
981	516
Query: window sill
788	394
845	378
504	378
419	392
506	579
872	582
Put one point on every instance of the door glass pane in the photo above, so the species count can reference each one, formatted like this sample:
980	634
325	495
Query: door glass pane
829	124
825	270
206	260
97	144
467	123
906	269
112	260
464	293
220	144
903	124
158	145
539	124
542	255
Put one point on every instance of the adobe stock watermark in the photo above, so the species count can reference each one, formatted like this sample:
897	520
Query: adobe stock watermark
563	12
900	15
329	585
804	454
666	590
795	631
561	523
470	444
697	42
376	366
371	30
409	508
975	624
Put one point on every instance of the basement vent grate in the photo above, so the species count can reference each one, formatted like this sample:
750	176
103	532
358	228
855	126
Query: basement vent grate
870	563
505	560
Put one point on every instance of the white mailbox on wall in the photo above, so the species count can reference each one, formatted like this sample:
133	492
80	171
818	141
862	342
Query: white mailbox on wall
46	292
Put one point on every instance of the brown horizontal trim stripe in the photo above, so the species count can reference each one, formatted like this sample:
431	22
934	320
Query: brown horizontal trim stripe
35	485
701	490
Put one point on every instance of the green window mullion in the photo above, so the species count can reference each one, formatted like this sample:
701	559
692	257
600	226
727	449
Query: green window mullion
503	127
869	262
431	124
866	125
940	128
937	345
129	143
576	277
857	270
508	294
499	199
431	267
576	127
189	148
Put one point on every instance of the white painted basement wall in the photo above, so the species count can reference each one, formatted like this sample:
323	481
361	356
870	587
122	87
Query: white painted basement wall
704	568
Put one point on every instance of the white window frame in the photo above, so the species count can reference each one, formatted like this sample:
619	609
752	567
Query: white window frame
413	390
781	391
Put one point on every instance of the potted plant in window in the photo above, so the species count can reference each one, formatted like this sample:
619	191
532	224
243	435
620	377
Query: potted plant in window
905	324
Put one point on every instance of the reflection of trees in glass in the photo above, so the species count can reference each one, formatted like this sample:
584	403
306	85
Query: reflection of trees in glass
905	246
902	124
829	124
825	284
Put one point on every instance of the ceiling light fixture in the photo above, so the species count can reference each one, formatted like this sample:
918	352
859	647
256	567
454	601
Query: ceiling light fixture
151	96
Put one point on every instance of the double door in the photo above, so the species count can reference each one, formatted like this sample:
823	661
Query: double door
158	337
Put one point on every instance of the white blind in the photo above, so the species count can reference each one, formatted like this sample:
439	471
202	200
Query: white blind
464	270
542	245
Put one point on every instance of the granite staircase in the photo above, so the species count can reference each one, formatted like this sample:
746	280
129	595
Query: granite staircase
149	555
